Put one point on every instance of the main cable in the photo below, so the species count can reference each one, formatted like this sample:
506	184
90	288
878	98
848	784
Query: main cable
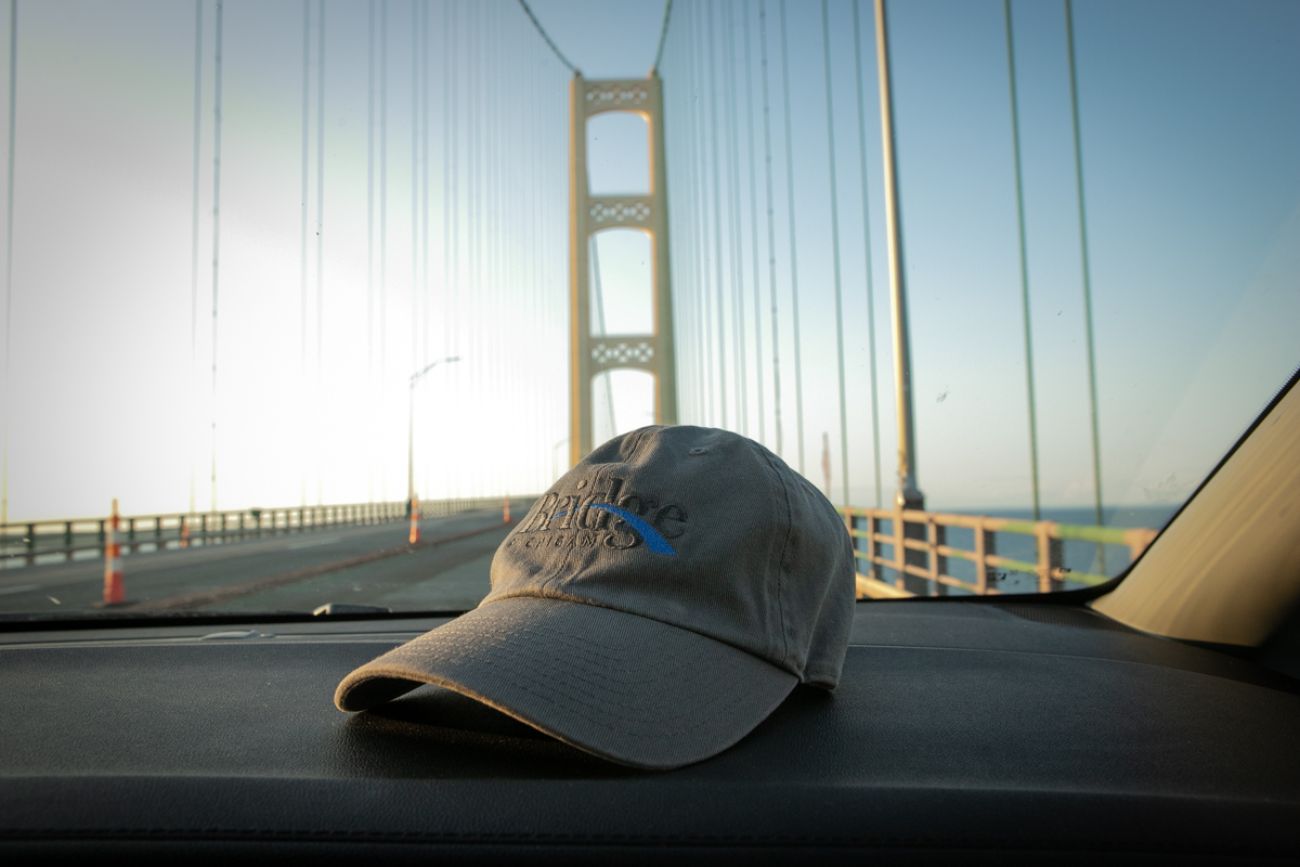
663	35
541	31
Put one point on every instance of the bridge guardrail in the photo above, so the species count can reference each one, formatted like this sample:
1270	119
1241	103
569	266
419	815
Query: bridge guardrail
31	542
874	530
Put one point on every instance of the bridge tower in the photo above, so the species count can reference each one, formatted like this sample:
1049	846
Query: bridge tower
593	354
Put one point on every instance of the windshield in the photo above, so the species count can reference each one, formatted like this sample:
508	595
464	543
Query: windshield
307	303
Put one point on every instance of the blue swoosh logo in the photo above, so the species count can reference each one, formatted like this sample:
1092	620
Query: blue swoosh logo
653	539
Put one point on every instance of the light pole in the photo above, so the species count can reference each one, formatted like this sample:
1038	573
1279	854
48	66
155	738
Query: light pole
410	427
555	473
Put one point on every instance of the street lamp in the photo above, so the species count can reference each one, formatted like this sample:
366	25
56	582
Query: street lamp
410	427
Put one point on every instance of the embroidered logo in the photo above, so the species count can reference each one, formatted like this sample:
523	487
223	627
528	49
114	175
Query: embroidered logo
601	513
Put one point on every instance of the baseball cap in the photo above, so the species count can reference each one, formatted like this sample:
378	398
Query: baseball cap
653	607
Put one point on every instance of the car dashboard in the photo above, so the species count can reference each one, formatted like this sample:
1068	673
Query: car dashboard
962	730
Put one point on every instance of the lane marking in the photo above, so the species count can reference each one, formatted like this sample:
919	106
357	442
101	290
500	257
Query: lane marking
298	546
21	588
217	595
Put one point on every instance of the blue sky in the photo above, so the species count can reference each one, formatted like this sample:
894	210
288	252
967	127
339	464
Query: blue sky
1189	128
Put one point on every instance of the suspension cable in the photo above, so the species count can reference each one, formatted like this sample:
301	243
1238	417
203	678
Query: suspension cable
717	219
216	239
794	250
559	55
733	226
705	365
835	249
9	251
320	232
771	227
1087	277
1024	265
753	230
194	246
663	36
302	242
594	251
383	225
370	242
866	245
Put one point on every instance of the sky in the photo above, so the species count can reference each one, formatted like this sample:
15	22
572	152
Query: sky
444	234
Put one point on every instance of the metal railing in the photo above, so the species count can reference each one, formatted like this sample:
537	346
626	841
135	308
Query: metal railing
38	542
883	539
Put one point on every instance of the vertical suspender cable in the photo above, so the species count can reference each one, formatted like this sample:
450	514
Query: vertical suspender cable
302	246
835	249
9	249
794	249
424	175
320	238
684	231
700	225
448	131
370	239
414	298
717	216
771	228
448	128
492	226
453	324
753	229
413	359
687	224
866	246
704	293
733	225
476	352
1087	277
1024	265
383	230
194	244
493	149
594	250
216	239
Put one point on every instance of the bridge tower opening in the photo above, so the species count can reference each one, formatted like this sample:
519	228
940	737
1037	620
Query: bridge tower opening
592	354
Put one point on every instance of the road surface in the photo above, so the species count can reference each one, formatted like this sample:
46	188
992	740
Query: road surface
373	565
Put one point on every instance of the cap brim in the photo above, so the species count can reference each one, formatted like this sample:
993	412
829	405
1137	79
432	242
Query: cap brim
624	687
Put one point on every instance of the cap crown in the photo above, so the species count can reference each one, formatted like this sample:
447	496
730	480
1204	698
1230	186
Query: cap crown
699	528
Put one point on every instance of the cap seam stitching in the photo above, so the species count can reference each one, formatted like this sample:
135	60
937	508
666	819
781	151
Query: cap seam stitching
785	546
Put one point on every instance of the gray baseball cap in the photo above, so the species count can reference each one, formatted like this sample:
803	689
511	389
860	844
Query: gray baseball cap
653	607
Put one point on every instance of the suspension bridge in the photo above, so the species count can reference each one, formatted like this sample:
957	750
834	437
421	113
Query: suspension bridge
464	292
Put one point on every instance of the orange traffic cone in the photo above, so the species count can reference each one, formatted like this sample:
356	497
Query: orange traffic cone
114	590
415	522
505	511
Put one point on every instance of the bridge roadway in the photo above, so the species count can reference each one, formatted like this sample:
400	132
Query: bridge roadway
373	565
